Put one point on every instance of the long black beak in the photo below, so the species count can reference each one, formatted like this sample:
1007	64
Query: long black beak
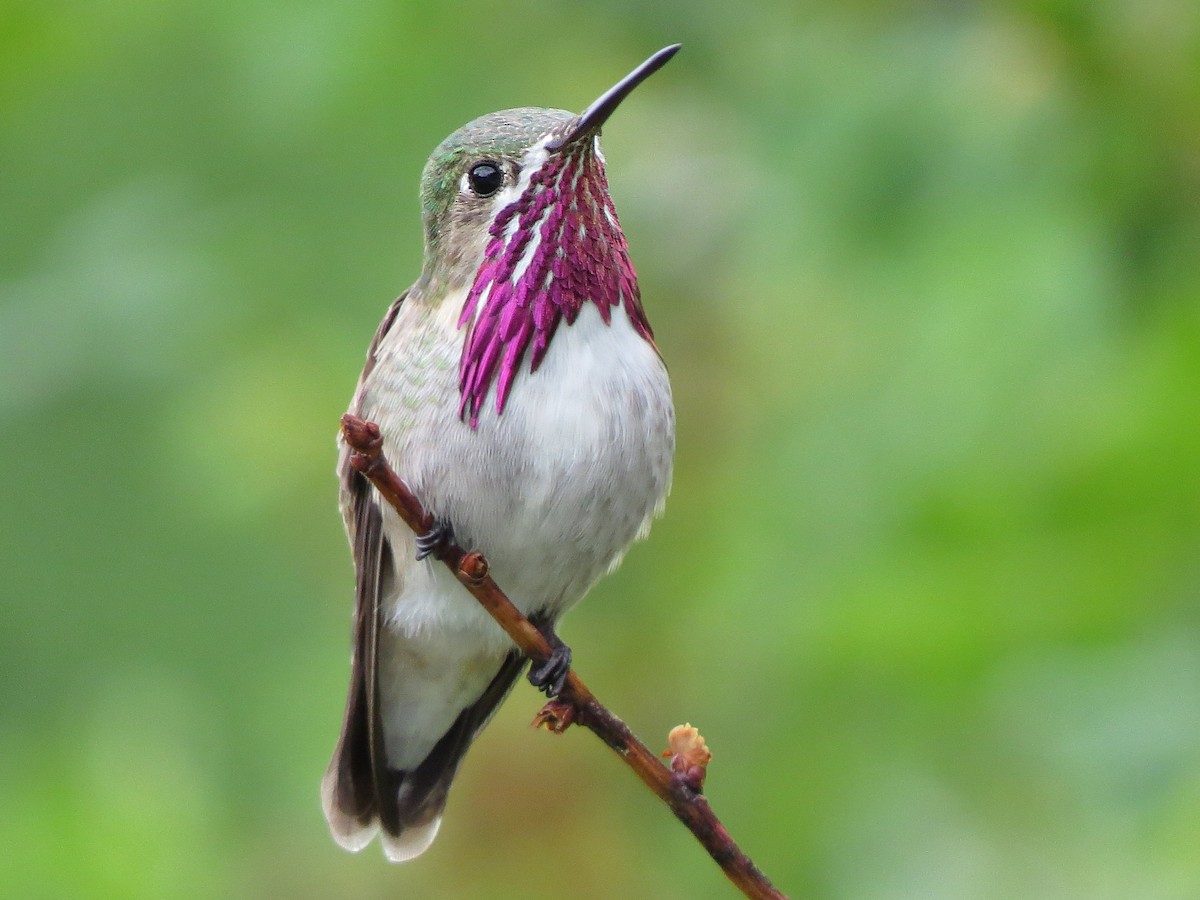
590	120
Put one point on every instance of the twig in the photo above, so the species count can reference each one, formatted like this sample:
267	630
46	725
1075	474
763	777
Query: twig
576	704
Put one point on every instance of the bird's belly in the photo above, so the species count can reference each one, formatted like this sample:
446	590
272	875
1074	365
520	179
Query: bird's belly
554	489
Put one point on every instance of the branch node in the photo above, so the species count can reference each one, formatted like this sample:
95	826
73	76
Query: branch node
362	435
556	716
473	567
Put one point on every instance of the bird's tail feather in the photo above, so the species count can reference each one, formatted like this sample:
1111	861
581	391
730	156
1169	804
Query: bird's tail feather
362	796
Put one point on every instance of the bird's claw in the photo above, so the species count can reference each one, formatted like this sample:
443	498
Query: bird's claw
550	676
436	540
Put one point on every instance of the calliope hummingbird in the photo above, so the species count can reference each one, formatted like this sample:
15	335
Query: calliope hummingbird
522	399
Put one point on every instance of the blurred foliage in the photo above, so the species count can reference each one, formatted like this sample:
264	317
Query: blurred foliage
927	279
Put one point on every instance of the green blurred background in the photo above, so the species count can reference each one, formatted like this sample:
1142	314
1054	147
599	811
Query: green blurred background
927	278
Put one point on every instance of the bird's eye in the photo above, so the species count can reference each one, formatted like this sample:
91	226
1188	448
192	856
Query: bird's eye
485	178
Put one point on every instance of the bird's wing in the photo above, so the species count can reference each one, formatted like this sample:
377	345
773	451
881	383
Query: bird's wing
362	793
358	774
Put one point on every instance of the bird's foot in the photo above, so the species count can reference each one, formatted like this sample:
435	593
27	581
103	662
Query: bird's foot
550	676
436	540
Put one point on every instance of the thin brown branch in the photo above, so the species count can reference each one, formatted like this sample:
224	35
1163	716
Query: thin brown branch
576	704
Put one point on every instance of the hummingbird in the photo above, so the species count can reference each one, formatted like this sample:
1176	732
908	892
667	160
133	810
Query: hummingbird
521	397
